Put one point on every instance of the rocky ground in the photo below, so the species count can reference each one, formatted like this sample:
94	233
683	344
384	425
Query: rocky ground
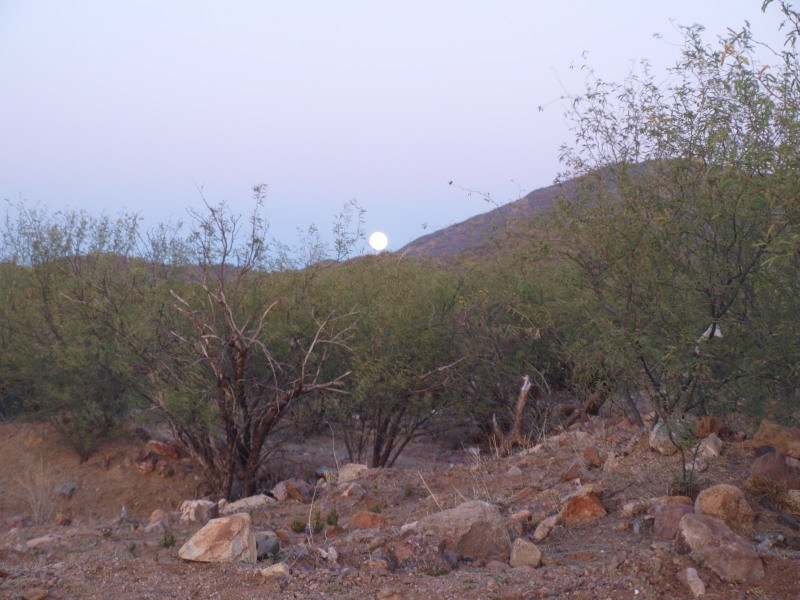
588	513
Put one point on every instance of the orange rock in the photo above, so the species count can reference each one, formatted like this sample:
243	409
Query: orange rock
592	456
583	506
163	449
727	503
785	440
369	520
707	425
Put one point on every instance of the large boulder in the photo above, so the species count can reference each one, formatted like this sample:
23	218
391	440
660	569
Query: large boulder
227	539
473	529
722	550
772	465
784	439
727	503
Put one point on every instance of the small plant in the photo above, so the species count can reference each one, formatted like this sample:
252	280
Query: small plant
686	484
408	490
333	517
168	541
36	491
777	492
317	524
132	549
298	526
376	508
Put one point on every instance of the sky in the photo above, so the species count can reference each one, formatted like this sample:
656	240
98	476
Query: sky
151	106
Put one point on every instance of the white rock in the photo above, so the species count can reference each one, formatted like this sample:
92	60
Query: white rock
227	539
277	570
710	446
544	528
351	472
198	511
692	580
248	504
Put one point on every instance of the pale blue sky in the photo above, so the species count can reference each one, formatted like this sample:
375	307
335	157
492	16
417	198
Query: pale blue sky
106	104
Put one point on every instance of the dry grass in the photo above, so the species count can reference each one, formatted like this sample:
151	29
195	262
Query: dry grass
777	492
35	490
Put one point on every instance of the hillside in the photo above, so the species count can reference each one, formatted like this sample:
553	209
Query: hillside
476	232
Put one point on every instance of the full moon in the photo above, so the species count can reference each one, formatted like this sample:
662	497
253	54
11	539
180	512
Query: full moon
378	241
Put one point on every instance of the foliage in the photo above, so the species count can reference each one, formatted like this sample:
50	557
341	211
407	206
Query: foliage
668	243
403	355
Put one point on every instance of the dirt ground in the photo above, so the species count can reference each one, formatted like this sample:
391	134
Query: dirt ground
93	553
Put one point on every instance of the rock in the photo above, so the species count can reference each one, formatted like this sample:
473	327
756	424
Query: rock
43	541
423	554
665	523
514	471
583	506
351	472
164	469
773	466
300	490
707	425
198	511
66	489
659	440
369	520
635	508
227	539
162	449
250	503
278	570
698	465
727	503
145	467
62	519
327	473
656	505
158	527
294	489
691	579
592	456
785	440
159	516
710	447
354	490
473	529
267	544
521	516
544	528
331	554
726	553
35	594
577	471
524	552
388	593
497	566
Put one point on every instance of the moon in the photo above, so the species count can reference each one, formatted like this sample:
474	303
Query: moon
378	241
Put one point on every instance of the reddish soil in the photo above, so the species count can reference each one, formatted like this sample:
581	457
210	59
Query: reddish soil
95	554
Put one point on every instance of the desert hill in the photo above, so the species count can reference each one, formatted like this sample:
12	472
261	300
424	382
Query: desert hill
476	232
